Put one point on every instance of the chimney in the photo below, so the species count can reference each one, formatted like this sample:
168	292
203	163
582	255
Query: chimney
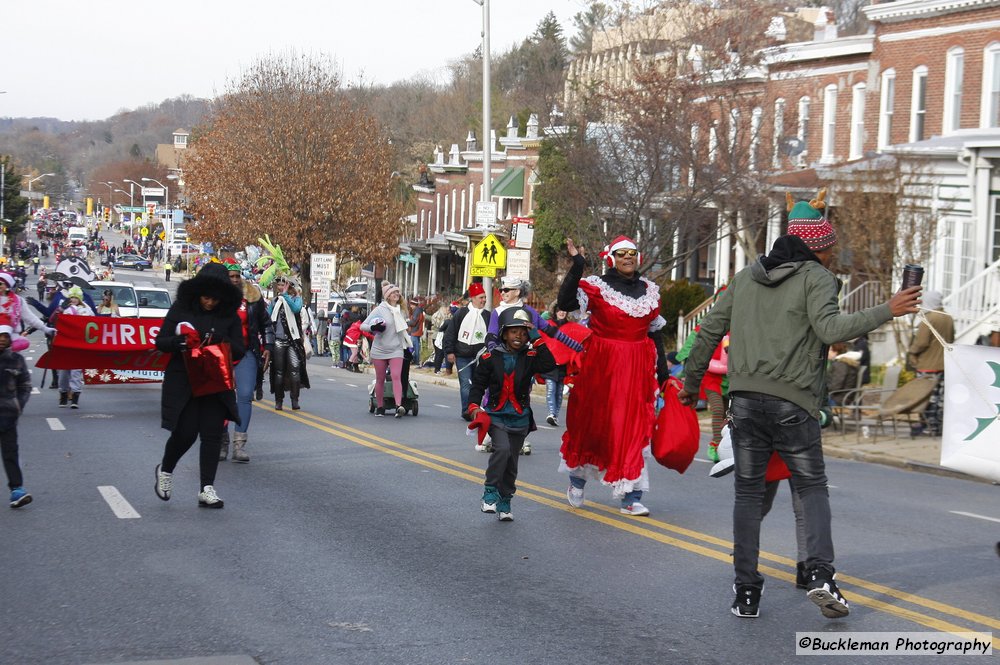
512	128
470	141
453	158
438	155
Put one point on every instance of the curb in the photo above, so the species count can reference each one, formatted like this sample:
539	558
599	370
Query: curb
897	462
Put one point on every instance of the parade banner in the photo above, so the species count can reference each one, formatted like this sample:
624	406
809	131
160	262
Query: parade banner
101	342
105	377
972	410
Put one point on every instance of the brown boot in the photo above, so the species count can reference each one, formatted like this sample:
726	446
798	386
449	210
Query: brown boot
239	443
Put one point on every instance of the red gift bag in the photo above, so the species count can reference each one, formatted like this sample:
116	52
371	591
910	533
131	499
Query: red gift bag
677	435
210	369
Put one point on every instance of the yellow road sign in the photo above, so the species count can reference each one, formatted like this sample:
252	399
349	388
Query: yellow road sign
476	271
489	253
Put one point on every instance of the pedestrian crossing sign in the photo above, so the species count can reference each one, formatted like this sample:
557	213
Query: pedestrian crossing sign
489	253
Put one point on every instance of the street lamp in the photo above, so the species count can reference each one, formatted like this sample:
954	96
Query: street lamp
487	136
28	175
131	201
166	190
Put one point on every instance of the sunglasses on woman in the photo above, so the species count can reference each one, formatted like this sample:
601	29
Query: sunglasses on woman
622	253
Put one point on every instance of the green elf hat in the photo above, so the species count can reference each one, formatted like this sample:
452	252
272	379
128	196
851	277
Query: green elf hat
807	220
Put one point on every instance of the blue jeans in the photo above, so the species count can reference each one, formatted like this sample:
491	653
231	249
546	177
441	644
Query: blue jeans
553	396
762	424
246	382
416	348
464	379
345	352
627	500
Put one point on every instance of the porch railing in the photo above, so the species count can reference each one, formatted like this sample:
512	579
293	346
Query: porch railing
687	322
865	295
976	304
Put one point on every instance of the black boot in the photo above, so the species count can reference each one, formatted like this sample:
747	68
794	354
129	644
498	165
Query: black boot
63	399
74	399
278	399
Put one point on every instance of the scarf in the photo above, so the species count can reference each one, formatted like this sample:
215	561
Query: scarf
400	323
290	325
11	304
473	328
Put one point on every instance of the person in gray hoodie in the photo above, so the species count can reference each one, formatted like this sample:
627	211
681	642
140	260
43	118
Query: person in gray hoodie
388	323
782	314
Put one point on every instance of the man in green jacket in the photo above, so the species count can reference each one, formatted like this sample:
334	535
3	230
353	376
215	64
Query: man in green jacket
782	314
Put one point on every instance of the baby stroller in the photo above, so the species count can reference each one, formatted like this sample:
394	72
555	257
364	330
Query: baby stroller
411	401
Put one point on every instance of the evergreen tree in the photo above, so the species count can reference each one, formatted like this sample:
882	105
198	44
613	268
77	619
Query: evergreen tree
15	206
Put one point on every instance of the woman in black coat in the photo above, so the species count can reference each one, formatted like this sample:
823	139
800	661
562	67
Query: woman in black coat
208	302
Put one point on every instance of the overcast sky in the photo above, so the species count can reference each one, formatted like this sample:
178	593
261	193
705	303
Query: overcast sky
86	60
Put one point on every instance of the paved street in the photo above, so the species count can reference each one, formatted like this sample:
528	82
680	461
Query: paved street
355	539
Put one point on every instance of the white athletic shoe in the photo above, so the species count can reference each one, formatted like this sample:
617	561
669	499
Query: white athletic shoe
636	510
207	498
575	496
164	483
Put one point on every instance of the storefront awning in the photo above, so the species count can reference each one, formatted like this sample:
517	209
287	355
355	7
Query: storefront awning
510	184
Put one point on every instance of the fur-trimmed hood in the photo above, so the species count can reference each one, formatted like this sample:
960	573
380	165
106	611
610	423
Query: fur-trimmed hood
212	279
251	292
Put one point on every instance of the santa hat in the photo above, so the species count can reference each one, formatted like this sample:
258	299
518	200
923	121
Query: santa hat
476	289
7	277
807	220
621	242
5	325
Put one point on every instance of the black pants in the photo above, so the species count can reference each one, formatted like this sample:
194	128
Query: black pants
501	472
201	416
287	369
8	447
439	359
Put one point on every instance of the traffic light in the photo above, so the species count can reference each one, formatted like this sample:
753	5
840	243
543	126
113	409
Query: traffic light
107	214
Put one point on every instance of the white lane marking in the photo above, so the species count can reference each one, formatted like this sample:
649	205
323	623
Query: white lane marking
978	517
122	509
332	380
55	424
351	385
443	406
36	391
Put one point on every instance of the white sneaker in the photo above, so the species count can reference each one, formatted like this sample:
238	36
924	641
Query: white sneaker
551	420
207	498
164	483
505	516
400	411
636	510
488	507
575	496
526	448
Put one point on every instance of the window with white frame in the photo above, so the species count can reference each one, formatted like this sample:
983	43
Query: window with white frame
954	72
995	235
779	132
857	146
886	107
918	105
829	123
755	122
989	115
803	130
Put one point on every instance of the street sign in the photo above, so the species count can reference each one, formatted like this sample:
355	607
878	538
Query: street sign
522	232
148	192
489	253
476	271
519	263
144	231
486	214
322	271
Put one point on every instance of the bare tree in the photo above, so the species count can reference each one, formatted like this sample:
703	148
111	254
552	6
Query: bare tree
287	153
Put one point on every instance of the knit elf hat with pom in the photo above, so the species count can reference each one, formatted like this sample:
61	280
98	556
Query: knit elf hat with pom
807	220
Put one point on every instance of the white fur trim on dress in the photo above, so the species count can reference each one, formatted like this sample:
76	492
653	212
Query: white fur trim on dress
634	307
657	324
619	488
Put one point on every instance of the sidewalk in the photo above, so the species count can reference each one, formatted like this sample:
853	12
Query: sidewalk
913	454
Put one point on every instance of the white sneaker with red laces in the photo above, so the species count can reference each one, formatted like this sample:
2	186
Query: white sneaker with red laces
636	510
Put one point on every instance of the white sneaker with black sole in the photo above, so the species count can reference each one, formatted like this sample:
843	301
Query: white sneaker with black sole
207	498
164	483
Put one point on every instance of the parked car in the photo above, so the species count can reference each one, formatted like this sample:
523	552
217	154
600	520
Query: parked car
123	292
133	261
153	301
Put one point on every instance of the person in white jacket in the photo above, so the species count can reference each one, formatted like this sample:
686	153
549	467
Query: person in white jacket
388	324
19	312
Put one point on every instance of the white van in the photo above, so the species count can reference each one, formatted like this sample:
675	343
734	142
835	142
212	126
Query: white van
77	234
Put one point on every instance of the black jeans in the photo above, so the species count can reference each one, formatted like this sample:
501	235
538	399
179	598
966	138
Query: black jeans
287	368
201	416
501	472
8	448
762	424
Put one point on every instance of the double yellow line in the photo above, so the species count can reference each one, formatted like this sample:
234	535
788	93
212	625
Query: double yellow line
664	532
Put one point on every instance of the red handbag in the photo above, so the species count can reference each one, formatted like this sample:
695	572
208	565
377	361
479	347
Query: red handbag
210	369
677	435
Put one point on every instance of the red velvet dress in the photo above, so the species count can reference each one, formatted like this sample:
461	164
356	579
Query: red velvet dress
610	416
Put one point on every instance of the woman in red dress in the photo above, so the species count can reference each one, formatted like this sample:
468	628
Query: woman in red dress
609	420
